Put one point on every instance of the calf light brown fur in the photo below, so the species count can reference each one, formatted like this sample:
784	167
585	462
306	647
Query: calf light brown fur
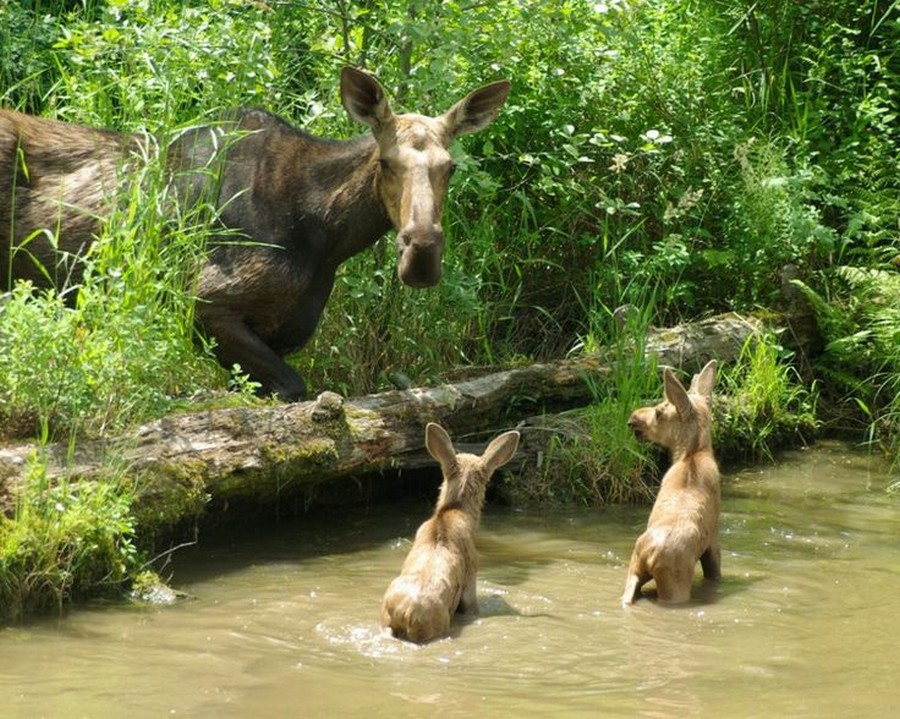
438	576
683	525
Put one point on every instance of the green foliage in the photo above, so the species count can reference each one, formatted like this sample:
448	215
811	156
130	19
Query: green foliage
775	217
690	147
761	404
124	350
591	457
860	320
64	541
669	156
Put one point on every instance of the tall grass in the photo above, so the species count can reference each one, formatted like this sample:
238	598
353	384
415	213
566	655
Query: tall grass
125	349
65	541
670	156
121	347
590	455
763	405
860	364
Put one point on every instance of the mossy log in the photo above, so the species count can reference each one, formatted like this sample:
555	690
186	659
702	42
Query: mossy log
185	463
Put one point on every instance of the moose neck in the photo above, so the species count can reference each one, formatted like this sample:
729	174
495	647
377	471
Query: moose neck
691	444
353	209
467	495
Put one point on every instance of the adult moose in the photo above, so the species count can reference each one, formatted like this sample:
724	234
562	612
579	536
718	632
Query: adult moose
304	205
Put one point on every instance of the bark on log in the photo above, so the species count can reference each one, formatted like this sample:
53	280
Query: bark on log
260	453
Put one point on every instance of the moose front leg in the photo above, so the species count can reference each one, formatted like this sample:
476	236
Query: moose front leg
238	344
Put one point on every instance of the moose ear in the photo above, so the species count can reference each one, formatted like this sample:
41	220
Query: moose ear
364	98
677	395
439	445
704	382
477	109
500	450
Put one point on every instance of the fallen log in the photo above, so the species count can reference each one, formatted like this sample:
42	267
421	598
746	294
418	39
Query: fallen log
183	463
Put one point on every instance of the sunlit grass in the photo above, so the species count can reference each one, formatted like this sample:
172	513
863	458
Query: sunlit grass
121	347
65	541
763	404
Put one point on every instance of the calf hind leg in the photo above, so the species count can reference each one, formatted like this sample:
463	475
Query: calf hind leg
711	561
468	602
673	586
632	589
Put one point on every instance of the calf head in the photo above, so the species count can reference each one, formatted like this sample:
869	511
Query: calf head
466	476
681	421
414	164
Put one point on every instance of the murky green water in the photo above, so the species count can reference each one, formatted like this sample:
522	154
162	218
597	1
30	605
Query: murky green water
806	622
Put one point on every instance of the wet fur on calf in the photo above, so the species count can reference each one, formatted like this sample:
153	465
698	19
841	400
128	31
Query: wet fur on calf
683	525
438	576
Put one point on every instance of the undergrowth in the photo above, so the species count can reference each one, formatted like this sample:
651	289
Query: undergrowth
682	150
65	541
591	457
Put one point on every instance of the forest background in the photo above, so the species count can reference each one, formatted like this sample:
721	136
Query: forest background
674	156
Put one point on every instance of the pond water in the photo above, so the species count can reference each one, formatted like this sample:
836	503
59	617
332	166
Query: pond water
805	623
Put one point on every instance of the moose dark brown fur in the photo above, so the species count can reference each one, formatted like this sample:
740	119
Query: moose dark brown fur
304	204
683	525
438	576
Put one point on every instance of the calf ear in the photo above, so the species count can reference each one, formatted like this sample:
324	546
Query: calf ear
476	110
676	394
439	445
364	98
704	382
500	450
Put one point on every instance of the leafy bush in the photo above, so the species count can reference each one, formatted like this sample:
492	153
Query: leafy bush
681	149
860	364
761	404
64	541
122	348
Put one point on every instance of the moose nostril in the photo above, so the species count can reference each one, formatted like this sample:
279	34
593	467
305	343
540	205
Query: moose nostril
421	237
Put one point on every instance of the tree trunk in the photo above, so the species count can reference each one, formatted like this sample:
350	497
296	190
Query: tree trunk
180	463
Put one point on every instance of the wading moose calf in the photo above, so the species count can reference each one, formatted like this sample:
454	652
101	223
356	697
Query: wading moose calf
304	205
683	525
438	576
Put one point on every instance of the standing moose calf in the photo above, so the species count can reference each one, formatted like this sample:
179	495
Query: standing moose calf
438	576
683	525
304	205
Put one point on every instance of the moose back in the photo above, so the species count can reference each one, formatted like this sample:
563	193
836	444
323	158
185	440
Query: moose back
302	204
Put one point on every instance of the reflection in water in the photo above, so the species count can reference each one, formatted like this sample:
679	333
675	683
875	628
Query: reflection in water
805	622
